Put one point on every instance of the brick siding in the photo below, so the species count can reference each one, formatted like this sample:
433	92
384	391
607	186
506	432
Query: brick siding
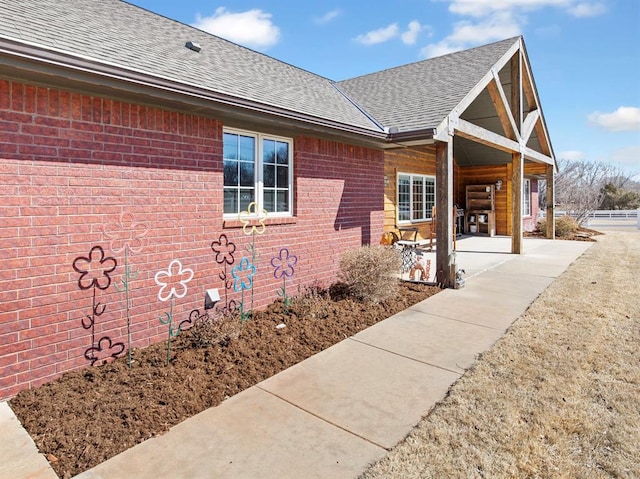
74	165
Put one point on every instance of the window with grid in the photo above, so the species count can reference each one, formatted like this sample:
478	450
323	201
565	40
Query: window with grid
526	197
416	197
257	168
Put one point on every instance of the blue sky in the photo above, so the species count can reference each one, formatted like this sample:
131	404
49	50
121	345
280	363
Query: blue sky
585	54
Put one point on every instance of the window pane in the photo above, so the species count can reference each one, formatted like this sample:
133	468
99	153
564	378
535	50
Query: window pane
283	153
283	201
526	198
230	146
430	190
283	177
404	205
246	196
230	173
270	201
247	149
269	176
231	201
418	199
269	151
246	174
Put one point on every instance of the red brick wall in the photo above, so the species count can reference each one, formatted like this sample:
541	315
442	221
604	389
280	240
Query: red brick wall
71	165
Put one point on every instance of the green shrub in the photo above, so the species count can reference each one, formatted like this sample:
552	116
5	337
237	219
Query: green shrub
565	226
371	272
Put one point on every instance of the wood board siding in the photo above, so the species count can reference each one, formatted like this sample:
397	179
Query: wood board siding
419	160
477	175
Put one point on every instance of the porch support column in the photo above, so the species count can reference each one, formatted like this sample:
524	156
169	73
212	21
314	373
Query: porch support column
517	160
551	201
444	216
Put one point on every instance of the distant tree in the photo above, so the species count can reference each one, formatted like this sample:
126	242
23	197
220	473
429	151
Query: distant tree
582	187
614	198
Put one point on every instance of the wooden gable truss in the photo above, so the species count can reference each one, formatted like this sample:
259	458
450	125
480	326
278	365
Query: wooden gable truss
515	139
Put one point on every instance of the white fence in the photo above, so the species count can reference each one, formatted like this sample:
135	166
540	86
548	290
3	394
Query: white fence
616	219
611	214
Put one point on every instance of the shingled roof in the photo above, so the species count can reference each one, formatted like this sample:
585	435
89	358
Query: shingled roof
115	36
120	34
420	95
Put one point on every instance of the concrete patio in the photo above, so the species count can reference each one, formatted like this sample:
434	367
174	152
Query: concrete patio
334	413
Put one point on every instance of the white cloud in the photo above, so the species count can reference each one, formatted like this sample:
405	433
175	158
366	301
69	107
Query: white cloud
466	34
411	35
625	118
572	155
380	35
252	28
492	20
587	9
481	8
628	158
329	16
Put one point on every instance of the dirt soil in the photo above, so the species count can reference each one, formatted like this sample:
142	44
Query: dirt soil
581	234
87	416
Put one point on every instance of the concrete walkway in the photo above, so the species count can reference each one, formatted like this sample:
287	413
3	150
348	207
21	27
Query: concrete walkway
334	413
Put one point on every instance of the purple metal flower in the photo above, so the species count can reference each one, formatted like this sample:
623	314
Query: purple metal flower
284	264
224	250
94	269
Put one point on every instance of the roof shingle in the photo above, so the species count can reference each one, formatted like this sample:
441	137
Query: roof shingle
121	34
420	95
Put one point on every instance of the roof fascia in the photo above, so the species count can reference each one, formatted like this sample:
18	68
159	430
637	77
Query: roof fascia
530	90
30	57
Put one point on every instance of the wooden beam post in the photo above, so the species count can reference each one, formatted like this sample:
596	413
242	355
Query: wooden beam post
444	207
551	200
516	90
517	176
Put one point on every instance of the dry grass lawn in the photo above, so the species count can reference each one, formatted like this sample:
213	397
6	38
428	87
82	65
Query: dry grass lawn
557	397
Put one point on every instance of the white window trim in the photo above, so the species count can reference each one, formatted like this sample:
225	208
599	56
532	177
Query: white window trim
259	174
525	195
411	176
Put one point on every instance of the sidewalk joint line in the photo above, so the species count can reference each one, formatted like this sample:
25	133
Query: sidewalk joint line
323	419
407	357
463	321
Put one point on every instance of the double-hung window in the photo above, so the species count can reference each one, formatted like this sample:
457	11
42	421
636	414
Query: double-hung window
257	168
526	197
416	197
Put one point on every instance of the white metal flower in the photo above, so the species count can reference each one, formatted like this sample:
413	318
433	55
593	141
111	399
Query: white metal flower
127	234
174	280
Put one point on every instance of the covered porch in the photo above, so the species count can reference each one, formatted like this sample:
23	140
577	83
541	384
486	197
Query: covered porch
494	137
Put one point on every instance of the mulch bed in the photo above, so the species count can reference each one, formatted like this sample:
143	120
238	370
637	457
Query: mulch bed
87	416
581	234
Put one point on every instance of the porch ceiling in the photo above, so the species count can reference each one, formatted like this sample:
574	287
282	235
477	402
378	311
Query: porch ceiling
470	153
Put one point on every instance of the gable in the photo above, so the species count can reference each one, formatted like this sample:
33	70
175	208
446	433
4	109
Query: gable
420	95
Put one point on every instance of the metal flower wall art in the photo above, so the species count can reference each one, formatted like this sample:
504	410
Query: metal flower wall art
253	223
284	267
243	275
173	284
94	271
126	236
224	251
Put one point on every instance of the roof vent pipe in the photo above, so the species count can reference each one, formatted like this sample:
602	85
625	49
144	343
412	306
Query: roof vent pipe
193	46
